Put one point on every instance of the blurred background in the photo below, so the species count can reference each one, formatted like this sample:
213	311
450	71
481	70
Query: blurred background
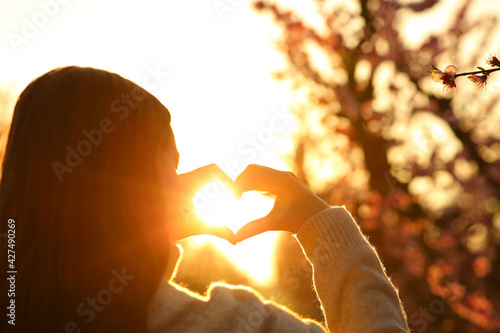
336	91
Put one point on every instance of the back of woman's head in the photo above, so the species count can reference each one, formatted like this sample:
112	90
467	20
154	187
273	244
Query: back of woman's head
83	144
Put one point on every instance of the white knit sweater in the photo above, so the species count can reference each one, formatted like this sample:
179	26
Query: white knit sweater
350	281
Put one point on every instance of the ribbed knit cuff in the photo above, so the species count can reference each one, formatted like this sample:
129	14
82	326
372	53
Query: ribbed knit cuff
329	233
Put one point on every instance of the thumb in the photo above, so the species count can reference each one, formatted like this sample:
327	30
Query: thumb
221	231
254	228
196	226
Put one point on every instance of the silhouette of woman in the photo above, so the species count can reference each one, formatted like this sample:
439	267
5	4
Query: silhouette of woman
89	186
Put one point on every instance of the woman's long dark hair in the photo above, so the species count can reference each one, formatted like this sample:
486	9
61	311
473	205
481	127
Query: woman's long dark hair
82	146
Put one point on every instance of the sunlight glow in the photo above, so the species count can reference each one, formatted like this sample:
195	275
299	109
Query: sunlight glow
227	83
217	206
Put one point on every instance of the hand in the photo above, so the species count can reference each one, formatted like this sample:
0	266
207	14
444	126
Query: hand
294	203
191	224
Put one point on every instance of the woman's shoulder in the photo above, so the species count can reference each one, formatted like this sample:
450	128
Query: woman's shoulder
176	306
225	308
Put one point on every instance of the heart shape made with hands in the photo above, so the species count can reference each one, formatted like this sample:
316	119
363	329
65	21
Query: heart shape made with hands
211	193
294	203
216	205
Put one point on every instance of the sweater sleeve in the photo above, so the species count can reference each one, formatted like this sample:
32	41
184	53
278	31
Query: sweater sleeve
355	293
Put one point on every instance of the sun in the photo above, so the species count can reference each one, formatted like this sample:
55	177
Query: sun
216	205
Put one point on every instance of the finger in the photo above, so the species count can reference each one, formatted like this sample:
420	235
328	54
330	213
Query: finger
259	178
267	194
193	225
254	228
212	230
221	231
204	173
194	180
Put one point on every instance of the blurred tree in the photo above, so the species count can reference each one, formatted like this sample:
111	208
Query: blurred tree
419	167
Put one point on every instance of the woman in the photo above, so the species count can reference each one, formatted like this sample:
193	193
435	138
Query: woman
89	184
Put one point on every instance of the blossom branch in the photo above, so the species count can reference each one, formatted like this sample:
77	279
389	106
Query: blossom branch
450	73
484	71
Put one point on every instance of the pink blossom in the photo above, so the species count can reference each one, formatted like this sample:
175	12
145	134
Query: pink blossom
493	61
478	80
447	77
